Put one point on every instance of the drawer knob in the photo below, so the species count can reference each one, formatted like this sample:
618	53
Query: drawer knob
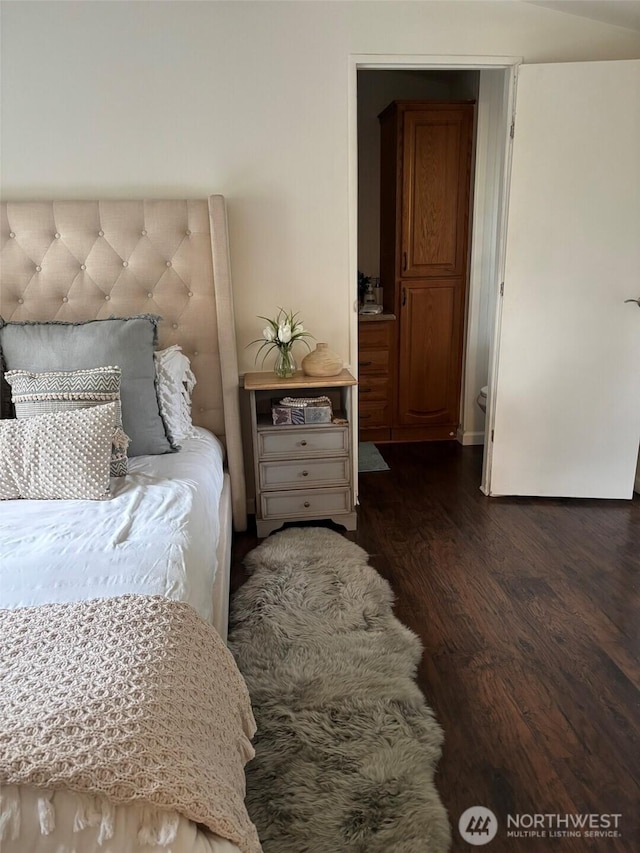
364	363
306	504
303	443
305	473
365	390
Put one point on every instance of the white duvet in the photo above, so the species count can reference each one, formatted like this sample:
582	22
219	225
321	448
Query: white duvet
156	535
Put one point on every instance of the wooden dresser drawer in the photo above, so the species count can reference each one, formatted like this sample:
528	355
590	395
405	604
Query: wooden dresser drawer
376	360
287	442
299	503
374	414
374	335
305	472
373	361
373	389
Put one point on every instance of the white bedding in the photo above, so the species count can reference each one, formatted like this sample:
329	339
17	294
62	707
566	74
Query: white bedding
157	535
87	837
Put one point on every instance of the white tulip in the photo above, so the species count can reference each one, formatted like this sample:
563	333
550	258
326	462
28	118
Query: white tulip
268	334
284	333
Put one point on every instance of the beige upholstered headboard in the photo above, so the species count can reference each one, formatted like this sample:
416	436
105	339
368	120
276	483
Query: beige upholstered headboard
86	260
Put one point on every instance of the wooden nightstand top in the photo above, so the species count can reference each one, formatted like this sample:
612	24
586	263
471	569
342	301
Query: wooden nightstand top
266	380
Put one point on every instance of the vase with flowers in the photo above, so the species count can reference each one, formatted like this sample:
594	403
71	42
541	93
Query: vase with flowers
280	334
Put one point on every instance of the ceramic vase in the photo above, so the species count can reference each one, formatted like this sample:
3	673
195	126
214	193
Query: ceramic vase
322	362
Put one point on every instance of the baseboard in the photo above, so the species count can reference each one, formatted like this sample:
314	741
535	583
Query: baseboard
469	437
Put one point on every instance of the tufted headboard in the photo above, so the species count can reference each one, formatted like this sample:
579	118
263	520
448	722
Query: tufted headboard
86	260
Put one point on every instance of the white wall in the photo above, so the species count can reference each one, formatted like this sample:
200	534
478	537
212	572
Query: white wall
245	98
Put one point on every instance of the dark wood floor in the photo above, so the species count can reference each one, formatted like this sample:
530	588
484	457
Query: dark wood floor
529	613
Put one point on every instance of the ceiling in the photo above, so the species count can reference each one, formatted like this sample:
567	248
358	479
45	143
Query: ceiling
619	13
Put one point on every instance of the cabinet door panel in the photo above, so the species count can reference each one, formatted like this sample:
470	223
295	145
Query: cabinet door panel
436	164
430	363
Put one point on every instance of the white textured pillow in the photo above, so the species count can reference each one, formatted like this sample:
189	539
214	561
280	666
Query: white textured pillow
175	382
60	456
43	393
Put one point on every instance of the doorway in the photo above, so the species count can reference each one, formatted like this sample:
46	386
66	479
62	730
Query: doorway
543	91
374	85
412	124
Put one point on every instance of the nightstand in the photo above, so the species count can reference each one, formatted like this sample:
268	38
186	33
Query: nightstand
303	472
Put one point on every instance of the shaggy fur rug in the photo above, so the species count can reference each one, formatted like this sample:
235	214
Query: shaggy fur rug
346	748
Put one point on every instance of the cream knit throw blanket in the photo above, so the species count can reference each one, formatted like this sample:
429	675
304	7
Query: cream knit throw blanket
135	699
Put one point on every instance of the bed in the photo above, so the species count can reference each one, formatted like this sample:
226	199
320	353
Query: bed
162	539
157	536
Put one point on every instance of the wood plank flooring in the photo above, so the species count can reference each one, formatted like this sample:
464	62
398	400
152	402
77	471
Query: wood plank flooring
529	612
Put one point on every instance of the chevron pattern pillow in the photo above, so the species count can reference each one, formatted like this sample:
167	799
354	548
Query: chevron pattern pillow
44	393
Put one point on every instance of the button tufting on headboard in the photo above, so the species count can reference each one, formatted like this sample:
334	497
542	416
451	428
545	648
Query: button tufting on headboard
85	260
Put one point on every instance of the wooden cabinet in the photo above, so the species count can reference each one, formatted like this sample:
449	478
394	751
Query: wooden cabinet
426	153
430	348
302	472
376	361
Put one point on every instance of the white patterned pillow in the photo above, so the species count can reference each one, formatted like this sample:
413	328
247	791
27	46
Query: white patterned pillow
61	391
61	456
174	383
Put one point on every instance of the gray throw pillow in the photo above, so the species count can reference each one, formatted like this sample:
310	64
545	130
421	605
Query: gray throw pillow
128	342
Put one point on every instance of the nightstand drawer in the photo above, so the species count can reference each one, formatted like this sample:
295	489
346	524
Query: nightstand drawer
373	389
373	361
305	472
285	442
300	504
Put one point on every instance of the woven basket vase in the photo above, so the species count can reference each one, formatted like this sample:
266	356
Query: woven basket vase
322	362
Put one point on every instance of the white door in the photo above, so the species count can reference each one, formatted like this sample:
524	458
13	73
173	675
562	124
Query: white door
565	407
